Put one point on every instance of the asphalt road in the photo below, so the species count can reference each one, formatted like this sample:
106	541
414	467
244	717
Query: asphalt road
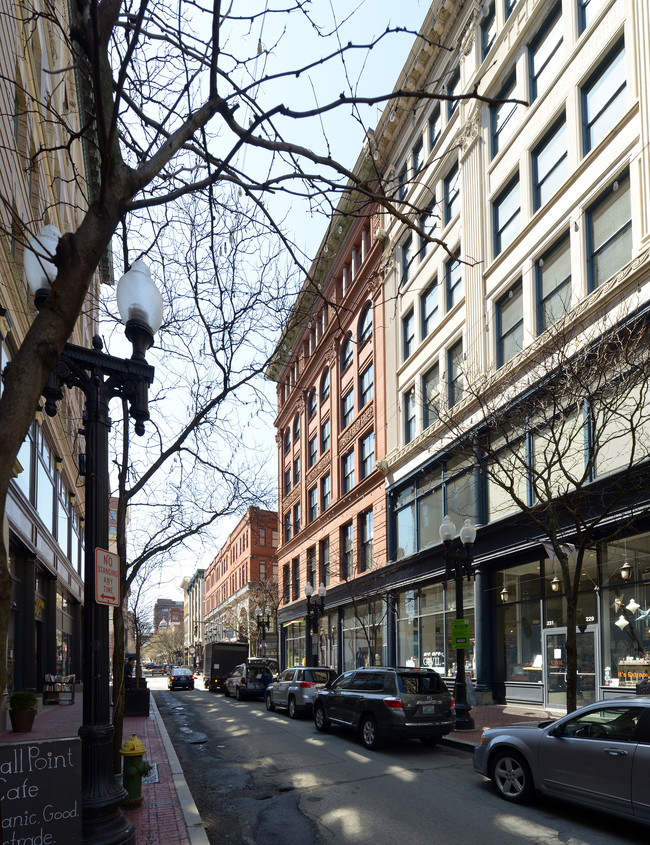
261	778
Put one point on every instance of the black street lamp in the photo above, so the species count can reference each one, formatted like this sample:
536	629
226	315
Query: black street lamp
100	377
315	608
263	625
457	565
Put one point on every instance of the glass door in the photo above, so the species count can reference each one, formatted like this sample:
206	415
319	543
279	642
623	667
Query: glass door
555	666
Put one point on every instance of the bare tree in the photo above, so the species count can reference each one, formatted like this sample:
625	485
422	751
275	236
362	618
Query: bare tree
264	595
561	435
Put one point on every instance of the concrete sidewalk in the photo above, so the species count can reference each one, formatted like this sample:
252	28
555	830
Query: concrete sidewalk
168	813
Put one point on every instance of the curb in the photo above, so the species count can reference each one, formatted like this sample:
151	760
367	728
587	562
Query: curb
195	828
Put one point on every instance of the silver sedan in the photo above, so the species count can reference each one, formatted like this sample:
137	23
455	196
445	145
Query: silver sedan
598	756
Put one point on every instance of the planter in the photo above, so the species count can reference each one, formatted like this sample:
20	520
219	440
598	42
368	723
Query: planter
22	721
136	702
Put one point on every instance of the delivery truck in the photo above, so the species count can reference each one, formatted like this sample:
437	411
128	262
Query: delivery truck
219	659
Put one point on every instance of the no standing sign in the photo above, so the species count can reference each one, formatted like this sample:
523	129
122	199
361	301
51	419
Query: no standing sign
107	578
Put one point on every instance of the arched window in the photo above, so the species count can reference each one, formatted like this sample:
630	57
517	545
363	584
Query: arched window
365	323
296	428
287	439
325	385
346	353
312	403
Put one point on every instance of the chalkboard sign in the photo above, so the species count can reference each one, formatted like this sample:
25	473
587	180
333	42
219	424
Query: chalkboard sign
40	792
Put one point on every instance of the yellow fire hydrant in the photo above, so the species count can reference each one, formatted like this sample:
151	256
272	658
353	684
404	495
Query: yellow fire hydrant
134	769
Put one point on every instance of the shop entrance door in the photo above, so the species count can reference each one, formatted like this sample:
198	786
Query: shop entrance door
555	666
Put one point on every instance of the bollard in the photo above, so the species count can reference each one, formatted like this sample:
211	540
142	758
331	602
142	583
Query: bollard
134	769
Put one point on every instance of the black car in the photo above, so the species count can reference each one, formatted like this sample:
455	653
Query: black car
387	702
180	677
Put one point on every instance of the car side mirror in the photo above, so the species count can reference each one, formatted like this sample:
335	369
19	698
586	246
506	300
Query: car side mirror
556	732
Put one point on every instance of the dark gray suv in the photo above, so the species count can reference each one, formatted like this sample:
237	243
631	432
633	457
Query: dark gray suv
385	702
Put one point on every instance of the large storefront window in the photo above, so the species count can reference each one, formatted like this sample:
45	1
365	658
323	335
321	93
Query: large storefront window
364	635
520	623
424	627
295	643
626	612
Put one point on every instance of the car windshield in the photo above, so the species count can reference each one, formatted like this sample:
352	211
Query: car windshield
181	670
419	683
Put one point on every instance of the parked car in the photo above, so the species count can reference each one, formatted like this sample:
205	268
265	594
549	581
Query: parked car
387	702
180	677
296	688
598	756
249	679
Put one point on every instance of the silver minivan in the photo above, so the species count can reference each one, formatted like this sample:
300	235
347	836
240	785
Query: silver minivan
295	688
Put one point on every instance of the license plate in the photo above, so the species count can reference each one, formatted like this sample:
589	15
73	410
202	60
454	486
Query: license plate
428	709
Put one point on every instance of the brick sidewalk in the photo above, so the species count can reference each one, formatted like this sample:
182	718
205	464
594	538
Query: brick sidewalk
162	815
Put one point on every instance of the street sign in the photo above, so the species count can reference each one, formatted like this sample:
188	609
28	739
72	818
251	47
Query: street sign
460	633
107	578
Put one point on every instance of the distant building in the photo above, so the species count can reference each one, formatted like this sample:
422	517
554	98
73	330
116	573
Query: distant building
167	612
193	618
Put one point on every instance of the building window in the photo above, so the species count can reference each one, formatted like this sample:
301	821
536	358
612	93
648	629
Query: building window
347	472
367	445
365	324
509	6
510	325
325	492
553	281
587	11
366	537
296	518
286	583
347	545
507	216
488	30
312	403
409	415
324	576
543	52
311	565
502	116
550	163
455	377
347	408
312	454
346	353
287	481
417	157
366	386
452	194
428	222
402	183
453	282
287	526
435	127
296	430
406	253
429	309
453	90
604	98
408	335
609	233
287	439
325	385
430	396
295	578
324	436
313	503
296	471
262	536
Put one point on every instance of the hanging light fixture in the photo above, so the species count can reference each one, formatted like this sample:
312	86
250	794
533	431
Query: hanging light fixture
504	594
626	571
555	584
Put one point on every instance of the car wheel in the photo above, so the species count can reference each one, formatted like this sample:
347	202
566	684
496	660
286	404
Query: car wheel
293	713
429	741
269	702
512	777
237	693
321	721
370	734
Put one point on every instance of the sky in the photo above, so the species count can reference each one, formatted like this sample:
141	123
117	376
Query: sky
339	133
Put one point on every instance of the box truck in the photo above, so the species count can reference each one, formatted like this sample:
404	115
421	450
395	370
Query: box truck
219	659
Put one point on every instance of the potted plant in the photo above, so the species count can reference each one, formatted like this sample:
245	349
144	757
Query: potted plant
22	710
